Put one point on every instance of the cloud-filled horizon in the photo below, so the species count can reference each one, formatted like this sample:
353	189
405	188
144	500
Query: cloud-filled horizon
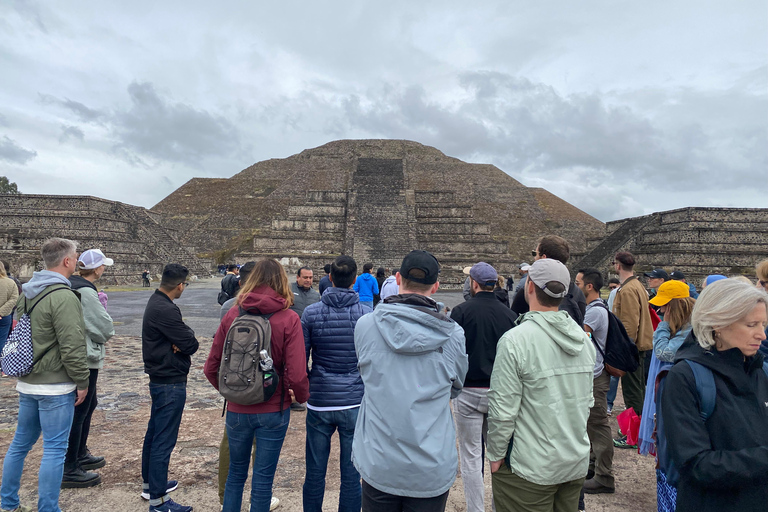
621	110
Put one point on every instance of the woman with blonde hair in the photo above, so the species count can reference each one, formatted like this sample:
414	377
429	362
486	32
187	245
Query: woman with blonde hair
761	269
718	438
266	292
676	305
9	294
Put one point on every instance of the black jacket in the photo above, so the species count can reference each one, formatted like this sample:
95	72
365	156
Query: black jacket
574	303
163	328
484	319
723	463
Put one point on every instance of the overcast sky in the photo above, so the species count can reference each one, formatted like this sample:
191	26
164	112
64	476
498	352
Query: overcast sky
621	108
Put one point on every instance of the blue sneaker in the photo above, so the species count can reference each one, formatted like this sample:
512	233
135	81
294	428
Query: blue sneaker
169	506
171	486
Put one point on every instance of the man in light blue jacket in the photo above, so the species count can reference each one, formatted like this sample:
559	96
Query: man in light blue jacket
412	360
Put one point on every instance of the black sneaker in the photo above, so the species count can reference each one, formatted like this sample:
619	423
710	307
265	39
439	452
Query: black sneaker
77	478
170	506
296	406
89	461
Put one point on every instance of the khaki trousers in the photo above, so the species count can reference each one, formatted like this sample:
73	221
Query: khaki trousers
599	432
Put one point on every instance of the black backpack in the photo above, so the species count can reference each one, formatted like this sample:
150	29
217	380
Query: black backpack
228	289
621	355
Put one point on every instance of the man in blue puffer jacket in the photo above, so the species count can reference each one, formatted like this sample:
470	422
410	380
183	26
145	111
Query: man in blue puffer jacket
335	386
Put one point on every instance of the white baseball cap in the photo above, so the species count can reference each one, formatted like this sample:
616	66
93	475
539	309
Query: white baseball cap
93	258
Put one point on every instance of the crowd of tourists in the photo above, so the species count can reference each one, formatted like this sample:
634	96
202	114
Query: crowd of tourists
522	375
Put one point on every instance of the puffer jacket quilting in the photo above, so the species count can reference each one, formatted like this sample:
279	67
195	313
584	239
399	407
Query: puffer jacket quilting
329	336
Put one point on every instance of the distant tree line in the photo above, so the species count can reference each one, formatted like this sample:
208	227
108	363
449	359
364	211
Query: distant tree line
8	187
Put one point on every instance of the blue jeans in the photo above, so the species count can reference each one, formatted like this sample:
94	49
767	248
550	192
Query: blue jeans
368	303
51	415
162	431
5	329
320	427
612	390
269	431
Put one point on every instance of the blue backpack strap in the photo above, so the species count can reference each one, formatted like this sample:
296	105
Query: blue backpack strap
765	367
705	387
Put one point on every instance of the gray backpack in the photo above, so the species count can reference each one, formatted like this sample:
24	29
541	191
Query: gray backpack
247	375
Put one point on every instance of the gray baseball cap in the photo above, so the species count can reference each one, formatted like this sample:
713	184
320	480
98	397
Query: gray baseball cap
548	270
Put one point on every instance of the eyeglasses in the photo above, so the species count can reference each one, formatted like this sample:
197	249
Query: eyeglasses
613	262
763	283
534	253
186	283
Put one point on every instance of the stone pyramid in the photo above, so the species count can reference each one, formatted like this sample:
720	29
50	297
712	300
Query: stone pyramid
375	200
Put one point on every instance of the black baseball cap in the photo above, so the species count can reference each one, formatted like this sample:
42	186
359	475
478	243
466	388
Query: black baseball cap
658	273
677	275
420	267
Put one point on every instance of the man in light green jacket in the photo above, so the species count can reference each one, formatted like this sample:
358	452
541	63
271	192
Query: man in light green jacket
58	381
539	401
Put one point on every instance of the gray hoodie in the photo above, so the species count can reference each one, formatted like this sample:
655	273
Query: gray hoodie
412	360
42	280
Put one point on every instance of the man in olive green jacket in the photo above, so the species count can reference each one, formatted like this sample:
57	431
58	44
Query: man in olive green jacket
58	381
539	401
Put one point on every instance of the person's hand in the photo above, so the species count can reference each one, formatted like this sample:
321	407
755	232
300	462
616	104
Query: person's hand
496	464
81	393
293	397
175	349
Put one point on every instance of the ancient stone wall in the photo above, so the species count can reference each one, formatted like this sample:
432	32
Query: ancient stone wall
130	235
695	241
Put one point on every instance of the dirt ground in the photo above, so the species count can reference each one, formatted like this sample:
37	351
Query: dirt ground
119	424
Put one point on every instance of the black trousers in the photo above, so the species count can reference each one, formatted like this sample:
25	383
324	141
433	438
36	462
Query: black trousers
375	500
81	423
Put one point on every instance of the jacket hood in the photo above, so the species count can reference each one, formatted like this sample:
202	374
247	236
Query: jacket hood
365	276
263	301
42	280
722	362
340	297
408	327
390	279
561	328
81	282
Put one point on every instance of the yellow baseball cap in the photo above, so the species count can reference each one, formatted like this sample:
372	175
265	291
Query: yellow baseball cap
670	290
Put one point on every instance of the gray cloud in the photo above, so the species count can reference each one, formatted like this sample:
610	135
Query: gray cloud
68	132
157	128
81	111
12	152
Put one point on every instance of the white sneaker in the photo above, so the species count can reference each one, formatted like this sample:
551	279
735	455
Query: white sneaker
273	504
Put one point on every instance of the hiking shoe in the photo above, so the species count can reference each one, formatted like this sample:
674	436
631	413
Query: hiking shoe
170	506
89	461
274	504
622	443
171	486
79	479
593	487
610	410
296	406
20	508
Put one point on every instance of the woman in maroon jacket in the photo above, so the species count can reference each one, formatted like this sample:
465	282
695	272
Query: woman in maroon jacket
266	291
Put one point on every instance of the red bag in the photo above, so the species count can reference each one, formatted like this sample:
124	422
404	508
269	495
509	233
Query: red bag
629	423
655	318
